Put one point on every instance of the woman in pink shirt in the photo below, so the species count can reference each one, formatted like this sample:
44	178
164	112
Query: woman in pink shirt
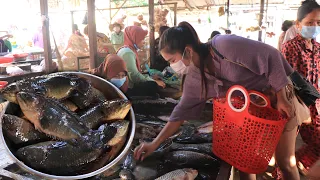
208	75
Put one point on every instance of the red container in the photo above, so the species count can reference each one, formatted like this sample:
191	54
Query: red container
6	60
246	134
3	84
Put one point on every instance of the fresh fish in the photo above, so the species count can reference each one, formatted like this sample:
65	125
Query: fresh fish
115	144
189	135
54	86
84	95
70	105
129	162
106	111
208	173
146	131
126	174
118	141
62	158
205	148
99	96
20	131
180	174
190	159
50	116
205	128
147	170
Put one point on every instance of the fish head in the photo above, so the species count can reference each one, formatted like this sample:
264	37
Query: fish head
117	109
122	127
30	104
9	92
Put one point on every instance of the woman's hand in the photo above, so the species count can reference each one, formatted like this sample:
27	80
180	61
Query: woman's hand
144	150
160	83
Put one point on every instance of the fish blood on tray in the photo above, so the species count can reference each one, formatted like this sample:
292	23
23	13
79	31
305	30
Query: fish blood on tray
62	125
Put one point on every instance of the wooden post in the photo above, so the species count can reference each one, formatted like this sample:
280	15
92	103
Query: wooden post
151	33
110	11
72	22
261	18
175	14
46	36
92	33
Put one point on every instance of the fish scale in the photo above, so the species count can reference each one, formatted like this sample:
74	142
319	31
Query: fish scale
180	174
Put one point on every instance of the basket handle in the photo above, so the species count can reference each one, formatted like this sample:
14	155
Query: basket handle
246	96
262	96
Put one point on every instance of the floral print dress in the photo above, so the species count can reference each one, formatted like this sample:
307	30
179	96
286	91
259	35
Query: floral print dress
307	63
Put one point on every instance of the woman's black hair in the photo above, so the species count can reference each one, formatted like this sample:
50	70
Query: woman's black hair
306	7
214	33
162	29
286	25
176	39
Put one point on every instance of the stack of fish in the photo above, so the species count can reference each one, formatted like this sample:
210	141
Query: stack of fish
185	156
61	125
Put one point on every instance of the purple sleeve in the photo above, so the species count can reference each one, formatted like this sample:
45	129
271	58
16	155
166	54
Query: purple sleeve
258	57
191	104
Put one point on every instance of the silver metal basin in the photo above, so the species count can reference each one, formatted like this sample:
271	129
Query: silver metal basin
111	92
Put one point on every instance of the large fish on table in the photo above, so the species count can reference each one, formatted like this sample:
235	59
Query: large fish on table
54	86
180	174
105	111
62	158
20	131
205	148
190	159
50	116
189	135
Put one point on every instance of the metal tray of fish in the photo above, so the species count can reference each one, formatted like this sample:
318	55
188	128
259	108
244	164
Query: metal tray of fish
116	144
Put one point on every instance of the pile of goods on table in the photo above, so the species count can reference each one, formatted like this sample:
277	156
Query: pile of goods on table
61	125
185	156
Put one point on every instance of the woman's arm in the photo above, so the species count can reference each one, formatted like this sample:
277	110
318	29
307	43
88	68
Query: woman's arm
133	73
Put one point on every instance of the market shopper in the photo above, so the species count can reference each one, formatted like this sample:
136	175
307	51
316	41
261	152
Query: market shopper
208	75
285	26
303	53
139	84
114	70
213	34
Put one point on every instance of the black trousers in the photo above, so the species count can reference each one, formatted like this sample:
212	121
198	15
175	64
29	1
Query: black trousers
149	88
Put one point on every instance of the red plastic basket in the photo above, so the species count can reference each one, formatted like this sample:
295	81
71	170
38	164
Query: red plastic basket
246	134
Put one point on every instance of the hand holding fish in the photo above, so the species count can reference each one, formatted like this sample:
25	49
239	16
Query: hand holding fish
144	150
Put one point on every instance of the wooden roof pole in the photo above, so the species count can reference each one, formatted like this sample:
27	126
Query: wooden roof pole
260	19
92	33
46	36
151	33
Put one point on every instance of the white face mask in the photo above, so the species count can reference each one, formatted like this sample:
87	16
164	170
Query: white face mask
179	67
310	32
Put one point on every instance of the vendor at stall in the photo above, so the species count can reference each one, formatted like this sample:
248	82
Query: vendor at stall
139	84
77	47
117	36
104	45
114	70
